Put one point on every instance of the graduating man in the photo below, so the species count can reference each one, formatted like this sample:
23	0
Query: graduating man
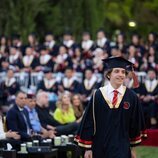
113	122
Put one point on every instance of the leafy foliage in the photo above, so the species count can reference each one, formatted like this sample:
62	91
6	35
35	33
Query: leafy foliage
24	17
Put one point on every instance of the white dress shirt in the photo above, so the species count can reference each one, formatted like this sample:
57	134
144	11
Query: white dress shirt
2	133
110	91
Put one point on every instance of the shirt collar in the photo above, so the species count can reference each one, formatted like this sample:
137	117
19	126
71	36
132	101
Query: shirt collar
111	89
29	109
20	109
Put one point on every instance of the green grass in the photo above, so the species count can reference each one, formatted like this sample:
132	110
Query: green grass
147	152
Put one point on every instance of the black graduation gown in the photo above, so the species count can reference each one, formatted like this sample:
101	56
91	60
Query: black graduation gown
85	91
16	62
74	87
110	132
144	90
33	64
54	50
54	87
6	91
149	107
48	65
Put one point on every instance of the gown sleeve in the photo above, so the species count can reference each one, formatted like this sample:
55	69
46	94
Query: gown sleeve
137	130
84	136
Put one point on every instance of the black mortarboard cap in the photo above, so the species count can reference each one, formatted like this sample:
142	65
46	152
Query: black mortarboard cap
118	62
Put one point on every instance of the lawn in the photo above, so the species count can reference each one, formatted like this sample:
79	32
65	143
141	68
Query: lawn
147	152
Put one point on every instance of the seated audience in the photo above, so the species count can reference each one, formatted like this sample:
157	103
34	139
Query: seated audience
48	121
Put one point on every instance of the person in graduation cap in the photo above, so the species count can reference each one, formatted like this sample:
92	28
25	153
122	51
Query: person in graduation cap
113	122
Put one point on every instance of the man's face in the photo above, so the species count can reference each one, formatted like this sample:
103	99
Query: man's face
10	74
43	52
21	100
67	37
44	99
31	103
86	37
49	38
88	74
117	76
13	51
28	51
68	73
135	39
48	75
151	74
100	35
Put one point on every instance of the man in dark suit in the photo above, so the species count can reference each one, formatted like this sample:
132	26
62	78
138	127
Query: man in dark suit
17	118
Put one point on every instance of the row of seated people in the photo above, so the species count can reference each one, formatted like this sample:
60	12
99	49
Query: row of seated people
50	84
36	56
147	90
30	117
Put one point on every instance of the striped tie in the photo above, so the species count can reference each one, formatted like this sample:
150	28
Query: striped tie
114	101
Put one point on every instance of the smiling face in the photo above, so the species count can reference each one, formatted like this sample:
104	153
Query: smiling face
117	77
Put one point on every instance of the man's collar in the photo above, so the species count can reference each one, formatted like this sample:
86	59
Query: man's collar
20	109
111	88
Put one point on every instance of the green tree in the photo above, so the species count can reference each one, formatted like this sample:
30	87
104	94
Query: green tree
18	16
41	16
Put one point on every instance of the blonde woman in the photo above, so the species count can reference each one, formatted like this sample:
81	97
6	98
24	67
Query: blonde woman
64	112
